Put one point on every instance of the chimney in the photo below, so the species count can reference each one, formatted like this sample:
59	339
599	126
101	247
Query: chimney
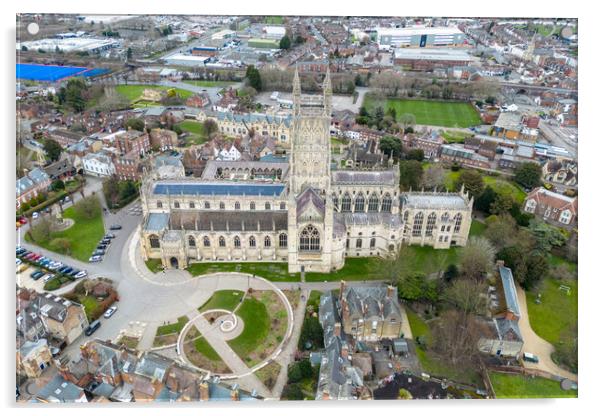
337	329
204	390
390	291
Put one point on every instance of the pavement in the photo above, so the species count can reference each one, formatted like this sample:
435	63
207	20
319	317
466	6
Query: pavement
534	344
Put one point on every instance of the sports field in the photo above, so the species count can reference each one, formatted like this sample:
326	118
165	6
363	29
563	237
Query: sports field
432	113
51	73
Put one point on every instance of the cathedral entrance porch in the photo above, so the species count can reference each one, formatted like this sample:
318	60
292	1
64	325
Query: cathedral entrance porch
173	262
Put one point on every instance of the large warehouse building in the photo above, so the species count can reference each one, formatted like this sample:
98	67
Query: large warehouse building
429	59
419	37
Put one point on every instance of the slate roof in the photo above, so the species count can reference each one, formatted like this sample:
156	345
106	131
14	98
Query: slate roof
253	118
153	366
366	300
229	220
33	178
310	197
368	218
507	330
386	177
222	188
61	390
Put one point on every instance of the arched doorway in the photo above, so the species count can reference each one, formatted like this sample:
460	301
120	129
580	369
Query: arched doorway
173	262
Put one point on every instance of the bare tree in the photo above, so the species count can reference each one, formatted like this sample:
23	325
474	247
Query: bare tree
476	259
467	295
434	177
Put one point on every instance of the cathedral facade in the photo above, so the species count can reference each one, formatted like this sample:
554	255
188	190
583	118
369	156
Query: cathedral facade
305	212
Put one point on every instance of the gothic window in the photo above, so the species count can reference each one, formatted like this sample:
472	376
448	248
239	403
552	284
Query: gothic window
386	207
347	244
335	202
405	216
372	242
445	217
237	205
207	205
267	206
191	241
252	242
206	242
359	203
373	203
282	240
154	241
222	205
176	204
309	239
159	204
417	228
191	205
252	205
282	205
430	224
457	223
237	242
346	203
222	242
358	243
267	242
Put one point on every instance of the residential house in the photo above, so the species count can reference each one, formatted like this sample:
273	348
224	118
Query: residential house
61	169
552	207
65	137
163	139
133	141
464	157
561	172
59	390
31	185
33	357
98	164
128	166
198	100
430	143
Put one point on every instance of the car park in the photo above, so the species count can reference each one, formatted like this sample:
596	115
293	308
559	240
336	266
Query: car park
30	256
22	267
109	312
48	277
19	261
95	259
115	227
92	328
101	247
98	253
55	265
73	272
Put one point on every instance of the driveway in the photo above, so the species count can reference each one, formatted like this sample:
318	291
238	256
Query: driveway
537	345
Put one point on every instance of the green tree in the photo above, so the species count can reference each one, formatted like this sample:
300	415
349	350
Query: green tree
485	199
537	267
407	120
501	230
87	207
528	175
75	94
57	185
472	181
404	395
253	77
397	265
391	146
292	392
135	124
451	273
210	126
285	42
41	231
502	203
476	258
52	149
129	53
415	154
546	236
61	245
416	287
410	172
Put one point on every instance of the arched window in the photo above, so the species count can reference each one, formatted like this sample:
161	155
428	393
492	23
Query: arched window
252	205
372	242
386	207
237	205
445	217
207	205
154	241
282	240
405	216
206	242
359	203
373	203
159	204
268	206
237	242
457	223
191	241
176	204
417	228
346	203
282	205
430	224
309	239
267	242
358	243
222	205
335	201
191	205
222	242
252	242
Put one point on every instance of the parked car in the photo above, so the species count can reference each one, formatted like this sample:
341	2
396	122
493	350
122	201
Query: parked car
101	247
106	241
37	274
35	215
81	274
109	236
48	277
55	265
23	220
115	227
19	261
22	267
74	272
95	259
109	312
92	328
527	356
98	253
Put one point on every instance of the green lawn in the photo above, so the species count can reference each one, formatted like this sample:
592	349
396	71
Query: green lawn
84	234
277	272
91	305
499	184
174	328
455	136
510	386
202	346
154	265
257	326
274	20
196	131
477	228
133	92
433	113
205	83
557	310
223	299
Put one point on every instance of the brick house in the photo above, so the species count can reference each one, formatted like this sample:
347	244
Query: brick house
133	141
31	185
552	207
163	139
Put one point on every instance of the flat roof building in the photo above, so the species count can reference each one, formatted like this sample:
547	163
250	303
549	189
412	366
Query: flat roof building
428	59
418	36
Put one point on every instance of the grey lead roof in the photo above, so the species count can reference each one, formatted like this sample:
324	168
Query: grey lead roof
386	177
427	200
509	290
369	218
229	220
157	221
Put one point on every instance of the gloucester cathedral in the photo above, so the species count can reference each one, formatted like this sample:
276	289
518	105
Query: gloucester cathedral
307	211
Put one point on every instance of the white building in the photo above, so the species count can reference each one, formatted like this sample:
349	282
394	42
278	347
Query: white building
98	164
